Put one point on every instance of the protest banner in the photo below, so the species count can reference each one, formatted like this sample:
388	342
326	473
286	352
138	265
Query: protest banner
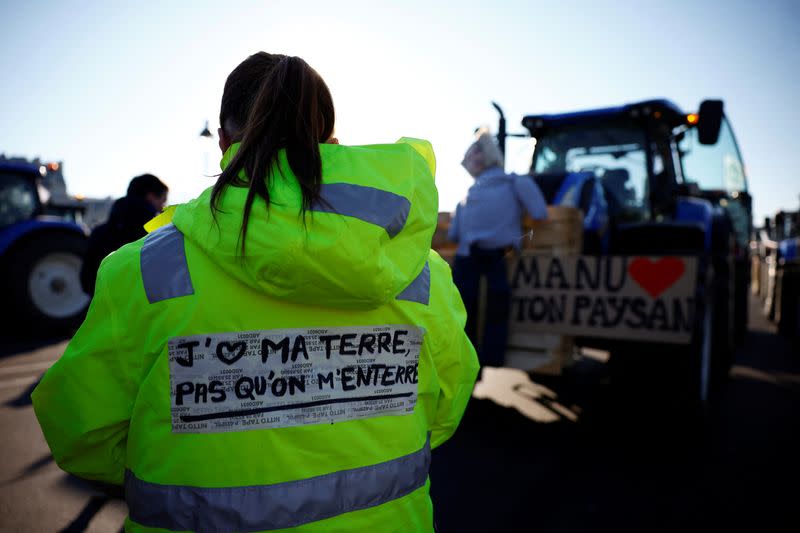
621	297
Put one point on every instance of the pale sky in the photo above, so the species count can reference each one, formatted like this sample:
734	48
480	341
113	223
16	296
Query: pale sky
116	89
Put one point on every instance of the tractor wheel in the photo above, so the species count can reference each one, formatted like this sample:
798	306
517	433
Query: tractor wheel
43	279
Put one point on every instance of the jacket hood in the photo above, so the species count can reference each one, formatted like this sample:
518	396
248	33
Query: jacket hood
359	248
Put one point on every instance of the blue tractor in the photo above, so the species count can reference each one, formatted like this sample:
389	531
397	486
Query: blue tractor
42	242
655	182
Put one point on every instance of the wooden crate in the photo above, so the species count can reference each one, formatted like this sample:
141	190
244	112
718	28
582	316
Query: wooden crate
561	232
446	248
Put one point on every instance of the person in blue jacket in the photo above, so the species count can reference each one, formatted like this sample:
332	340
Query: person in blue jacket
486	226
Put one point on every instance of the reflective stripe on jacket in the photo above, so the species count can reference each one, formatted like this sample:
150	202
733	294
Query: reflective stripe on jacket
361	259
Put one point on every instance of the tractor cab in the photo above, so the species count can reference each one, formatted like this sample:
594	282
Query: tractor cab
25	196
653	179
634	168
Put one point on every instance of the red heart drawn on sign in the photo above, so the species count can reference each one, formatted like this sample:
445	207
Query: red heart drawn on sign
656	276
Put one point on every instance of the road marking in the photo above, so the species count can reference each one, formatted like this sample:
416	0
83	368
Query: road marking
15	369
19	382
775	378
601	356
563	411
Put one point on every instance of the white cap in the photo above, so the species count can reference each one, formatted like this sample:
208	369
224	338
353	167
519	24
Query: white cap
492	155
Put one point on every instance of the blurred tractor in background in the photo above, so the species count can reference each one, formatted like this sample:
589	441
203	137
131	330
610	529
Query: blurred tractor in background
42	241
776	270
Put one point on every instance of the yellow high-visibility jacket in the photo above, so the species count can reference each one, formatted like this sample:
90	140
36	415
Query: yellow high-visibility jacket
301	385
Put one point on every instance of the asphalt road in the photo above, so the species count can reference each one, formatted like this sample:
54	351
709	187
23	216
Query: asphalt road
576	454
620	461
35	495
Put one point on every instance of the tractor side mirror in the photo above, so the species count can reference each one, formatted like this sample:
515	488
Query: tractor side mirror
710	121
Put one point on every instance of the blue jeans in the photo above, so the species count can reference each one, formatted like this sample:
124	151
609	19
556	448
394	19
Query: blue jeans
467	272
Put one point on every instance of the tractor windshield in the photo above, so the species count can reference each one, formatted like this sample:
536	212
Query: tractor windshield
615	154
18	198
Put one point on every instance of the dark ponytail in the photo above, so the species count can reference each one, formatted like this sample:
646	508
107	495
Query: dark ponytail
273	102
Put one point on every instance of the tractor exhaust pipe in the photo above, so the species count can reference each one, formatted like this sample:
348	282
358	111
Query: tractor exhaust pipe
501	129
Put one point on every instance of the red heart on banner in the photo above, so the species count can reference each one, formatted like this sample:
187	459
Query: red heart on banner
656	276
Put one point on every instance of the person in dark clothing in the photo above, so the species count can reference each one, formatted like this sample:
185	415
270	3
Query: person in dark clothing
145	198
